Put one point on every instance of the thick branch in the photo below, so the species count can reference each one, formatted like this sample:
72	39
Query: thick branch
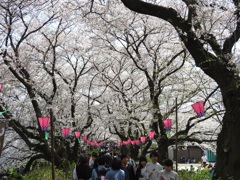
168	14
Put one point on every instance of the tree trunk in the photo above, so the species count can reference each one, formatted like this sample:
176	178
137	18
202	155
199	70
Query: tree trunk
162	149
228	151
134	150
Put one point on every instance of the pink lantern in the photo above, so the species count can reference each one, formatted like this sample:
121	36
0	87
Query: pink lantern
129	141
92	144
143	139
198	107
77	134
44	123
65	132
151	135
133	142
167	124
137	142
89	142
125	142
84	138
99	144
0	86
119	143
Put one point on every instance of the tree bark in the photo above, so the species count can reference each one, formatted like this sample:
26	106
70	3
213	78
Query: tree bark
228	156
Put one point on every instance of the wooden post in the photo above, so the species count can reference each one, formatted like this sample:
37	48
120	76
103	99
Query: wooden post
176	137
52	142
80	145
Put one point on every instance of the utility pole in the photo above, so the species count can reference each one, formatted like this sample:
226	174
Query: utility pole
176	136
52	142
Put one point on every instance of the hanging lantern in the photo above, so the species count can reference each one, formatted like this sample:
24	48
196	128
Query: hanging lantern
129	141
151	135
44	124
101	143
89	142
93	144
137	142
119	144
143	139
198	107
65	132
77	135
168	125
97	144
133	142
0	86
84	138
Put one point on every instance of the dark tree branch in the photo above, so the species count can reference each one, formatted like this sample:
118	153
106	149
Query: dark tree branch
234	37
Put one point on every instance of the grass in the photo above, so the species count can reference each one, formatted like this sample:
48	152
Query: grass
45	173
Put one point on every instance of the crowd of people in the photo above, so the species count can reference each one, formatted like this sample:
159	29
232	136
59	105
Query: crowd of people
122	167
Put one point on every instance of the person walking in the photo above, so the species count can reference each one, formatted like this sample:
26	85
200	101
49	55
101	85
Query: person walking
152	169
128	168
100	169
83	170
115	173
204	160
141	166
168	173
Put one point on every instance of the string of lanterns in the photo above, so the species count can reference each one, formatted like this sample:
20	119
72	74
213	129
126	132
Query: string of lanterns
198	108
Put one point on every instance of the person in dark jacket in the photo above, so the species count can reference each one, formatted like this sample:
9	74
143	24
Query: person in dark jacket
127	168
142	164
83	170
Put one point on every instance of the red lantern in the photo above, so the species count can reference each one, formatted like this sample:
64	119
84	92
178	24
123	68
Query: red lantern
65	132
137	142
151	135
133	142
77	134
0	86
101	143
89	142
44	123
84	138
143	139
198	107
167	124
119	143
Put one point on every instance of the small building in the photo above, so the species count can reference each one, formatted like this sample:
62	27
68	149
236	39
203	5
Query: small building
186	154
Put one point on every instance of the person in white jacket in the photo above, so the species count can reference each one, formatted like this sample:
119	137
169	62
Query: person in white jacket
152	169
